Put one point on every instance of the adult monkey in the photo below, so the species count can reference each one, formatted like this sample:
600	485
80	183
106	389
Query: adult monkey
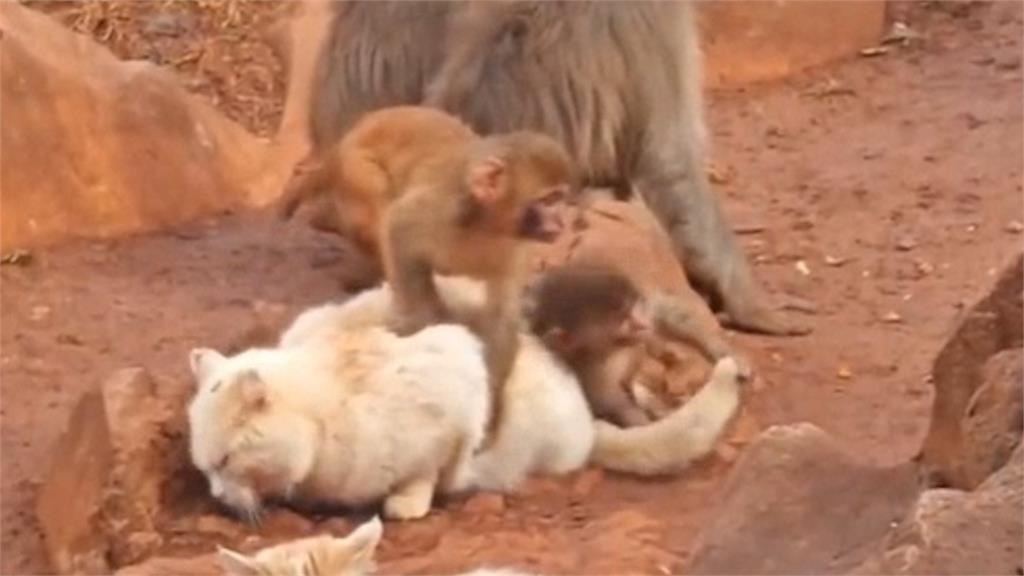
619	83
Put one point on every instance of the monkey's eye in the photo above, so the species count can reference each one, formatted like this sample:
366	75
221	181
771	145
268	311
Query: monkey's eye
555	195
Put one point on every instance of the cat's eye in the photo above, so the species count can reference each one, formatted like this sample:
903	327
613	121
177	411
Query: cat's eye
216	385
223	462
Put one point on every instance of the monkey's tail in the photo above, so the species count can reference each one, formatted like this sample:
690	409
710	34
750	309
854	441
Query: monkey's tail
307	182
671	444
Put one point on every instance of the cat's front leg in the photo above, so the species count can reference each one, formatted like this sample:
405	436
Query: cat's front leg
412	500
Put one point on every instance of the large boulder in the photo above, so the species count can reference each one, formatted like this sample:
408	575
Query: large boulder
111	473
97	147
955	532
976	414
796	503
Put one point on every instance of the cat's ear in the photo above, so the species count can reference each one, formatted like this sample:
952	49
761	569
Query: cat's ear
253	389
203	361
237	564
362	542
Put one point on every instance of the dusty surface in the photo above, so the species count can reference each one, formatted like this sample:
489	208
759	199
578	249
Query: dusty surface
903	171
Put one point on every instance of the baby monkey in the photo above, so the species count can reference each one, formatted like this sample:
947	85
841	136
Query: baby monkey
419	188
596	320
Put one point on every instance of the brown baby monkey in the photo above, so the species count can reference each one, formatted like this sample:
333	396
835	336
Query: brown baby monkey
597	320
418	187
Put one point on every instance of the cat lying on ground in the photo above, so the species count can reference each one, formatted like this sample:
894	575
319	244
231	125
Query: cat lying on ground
325	555
344	412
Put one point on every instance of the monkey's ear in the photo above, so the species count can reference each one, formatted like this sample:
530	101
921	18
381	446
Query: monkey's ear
253	390
203	361
488	180
236	563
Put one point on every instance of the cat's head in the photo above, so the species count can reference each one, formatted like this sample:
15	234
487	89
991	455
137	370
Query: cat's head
314	556
246	437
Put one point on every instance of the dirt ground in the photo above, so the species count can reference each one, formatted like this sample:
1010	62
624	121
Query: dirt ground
885	190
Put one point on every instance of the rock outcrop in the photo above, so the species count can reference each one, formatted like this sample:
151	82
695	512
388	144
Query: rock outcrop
956	532
976	414
110	474
96	147
796	503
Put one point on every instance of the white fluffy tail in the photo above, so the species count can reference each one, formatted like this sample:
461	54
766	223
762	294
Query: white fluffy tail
671	444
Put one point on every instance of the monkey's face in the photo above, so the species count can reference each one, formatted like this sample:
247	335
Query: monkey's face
543	220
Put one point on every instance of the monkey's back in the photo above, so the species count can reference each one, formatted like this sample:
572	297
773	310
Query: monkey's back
400	140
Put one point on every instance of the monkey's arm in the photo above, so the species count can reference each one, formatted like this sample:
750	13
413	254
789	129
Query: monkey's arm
409	271
500	325
604	385
674	319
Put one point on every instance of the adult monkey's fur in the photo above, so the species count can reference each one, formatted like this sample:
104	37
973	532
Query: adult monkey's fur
619	83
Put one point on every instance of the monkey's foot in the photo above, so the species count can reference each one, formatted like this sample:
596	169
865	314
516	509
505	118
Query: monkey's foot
407	324
759	319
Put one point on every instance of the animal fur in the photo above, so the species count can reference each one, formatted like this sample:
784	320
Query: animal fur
325	555
353	414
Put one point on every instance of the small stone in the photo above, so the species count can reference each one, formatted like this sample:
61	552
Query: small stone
718	175
485	503
892	317
924	268
802	268
40	313
1015	227
906	244
835	261
844	373
874	51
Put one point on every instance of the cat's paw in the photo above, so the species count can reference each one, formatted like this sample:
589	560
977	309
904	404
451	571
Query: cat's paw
411	503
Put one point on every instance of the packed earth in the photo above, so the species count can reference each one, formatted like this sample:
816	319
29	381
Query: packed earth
882	193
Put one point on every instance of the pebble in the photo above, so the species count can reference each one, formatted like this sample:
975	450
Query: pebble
906	244
844	373
835	261
802	268
892	318
39	313
1015	227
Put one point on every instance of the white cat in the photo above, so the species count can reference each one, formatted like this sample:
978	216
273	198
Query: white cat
345	412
